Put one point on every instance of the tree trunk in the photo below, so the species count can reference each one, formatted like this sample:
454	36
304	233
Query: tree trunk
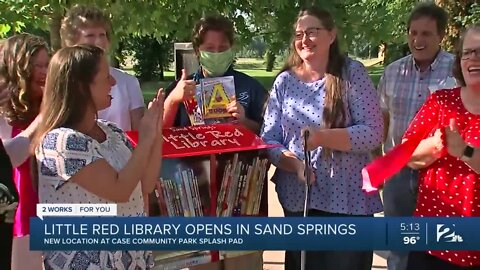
54	25
270	60
161	75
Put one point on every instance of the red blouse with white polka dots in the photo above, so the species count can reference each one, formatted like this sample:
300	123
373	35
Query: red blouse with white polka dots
448	187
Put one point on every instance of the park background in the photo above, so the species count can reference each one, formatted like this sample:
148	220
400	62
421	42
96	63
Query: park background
144	33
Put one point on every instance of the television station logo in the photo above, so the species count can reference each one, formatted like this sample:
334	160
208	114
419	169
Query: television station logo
447	234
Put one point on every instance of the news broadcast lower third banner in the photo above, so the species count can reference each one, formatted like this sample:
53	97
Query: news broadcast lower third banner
253	233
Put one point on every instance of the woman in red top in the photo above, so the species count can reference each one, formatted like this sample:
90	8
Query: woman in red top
449	177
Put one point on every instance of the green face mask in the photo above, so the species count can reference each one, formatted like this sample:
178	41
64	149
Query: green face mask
216	64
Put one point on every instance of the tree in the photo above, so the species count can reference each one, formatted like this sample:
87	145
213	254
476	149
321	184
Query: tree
152	56
461	14
357	21
361	23
258	46
15	15
41	14
273	21
145	17
386	20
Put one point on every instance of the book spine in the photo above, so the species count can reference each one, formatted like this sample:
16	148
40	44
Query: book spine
243	208
223	189
168	198
160	198
198	199
261	181
232	190
249	181
178	199
241	184
184	195
174	198
252	189
187	181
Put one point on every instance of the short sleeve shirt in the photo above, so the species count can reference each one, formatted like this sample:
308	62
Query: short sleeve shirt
448	187
62	153
127	96
403	89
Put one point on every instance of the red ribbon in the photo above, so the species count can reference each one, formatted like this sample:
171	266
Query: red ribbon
381	169
376	172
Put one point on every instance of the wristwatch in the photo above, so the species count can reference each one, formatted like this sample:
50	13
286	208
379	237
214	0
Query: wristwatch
467	153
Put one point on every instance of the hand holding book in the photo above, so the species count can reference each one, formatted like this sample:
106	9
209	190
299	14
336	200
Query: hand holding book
185	89
214	102
236	109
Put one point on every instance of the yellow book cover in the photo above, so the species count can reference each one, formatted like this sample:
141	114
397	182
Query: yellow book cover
217	94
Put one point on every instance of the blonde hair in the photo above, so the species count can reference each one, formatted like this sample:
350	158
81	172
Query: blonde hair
79	17
16	67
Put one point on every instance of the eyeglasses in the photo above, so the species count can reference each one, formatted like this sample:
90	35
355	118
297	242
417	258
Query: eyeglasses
309	33
467	53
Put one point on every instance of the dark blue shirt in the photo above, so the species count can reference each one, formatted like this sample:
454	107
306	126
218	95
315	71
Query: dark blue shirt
248	91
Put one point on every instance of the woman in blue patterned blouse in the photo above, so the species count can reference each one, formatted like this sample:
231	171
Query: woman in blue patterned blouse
322	90
85	160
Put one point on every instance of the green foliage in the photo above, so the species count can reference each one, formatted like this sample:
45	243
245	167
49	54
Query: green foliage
461	14
15	14
378	20
395	51
152	56
360	24
264	27
256	49
139	17
473	15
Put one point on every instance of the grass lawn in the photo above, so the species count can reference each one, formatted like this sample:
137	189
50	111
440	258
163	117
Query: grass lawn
150	89
375	73
252	67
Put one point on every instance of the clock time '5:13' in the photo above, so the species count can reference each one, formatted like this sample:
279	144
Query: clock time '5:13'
409	226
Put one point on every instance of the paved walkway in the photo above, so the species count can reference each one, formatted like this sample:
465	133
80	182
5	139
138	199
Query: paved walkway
273	260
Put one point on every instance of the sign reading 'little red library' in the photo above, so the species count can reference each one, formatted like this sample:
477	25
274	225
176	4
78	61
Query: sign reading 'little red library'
208	139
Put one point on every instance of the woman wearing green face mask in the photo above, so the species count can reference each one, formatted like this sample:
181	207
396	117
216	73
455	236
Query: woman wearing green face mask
212	39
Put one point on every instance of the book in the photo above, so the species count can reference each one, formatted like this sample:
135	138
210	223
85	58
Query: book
241	187
178	189
217	94
209	104
194	107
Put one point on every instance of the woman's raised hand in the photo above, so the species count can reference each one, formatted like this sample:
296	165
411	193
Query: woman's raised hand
151	124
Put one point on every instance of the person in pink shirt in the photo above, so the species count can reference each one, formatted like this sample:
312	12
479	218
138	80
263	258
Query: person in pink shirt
24	60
